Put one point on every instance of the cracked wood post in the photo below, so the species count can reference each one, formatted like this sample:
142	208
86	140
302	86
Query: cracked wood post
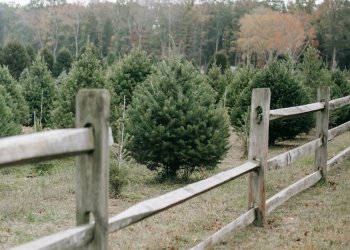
92	169
258	147
322	122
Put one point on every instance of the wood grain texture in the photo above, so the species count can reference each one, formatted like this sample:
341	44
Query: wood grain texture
70	239
242	221
153	206
46	145
340	102
322	122
293	155
338	158
258	147
285	112
92	171
281	197
334	132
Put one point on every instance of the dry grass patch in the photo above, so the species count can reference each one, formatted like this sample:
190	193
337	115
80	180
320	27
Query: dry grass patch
33	206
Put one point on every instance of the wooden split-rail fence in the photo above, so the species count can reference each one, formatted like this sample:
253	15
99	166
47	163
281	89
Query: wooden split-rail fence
90	140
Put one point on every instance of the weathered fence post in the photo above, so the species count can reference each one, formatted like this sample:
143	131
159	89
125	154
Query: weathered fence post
258	148
322	122
92	110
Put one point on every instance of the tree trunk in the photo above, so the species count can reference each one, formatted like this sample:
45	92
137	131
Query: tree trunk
334	61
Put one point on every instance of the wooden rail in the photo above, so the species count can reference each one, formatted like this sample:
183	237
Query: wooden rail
47	145
284	112
293	155
153	206
338	103
90	140
334	132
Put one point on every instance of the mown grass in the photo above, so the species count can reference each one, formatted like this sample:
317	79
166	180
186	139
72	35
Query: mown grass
33	205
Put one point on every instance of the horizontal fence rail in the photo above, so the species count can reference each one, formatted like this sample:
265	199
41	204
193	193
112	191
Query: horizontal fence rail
73	238
338	158
242	221
46	145
338	103
153	206
293	155
334	132
285	112
294	189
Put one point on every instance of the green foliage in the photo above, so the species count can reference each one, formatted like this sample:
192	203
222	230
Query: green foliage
106	36
218	81
63	62
42	168
131	71
174	123
285	92
39	91
18	104
91	47
117	178
312	74
241	78
87	72
31	53
15	57
340	88
47	58
7	121
220	60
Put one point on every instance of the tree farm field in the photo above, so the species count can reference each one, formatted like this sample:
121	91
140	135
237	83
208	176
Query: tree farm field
35	204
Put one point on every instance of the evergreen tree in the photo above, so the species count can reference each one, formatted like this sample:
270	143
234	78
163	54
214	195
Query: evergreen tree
18	104
311	73
39	91
217	81
63	62
87	72
130	72
285	92
31	53
7	121
220	60
174	123
106	36
340	88
15	57
48	58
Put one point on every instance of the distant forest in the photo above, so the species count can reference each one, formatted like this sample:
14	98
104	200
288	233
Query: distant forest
245	30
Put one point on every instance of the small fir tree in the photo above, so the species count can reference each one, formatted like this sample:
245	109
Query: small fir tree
87	72
18	104
220	60
48	58
15	57
340	88
311	72
131	71
31	53
174	122
39	91
123	78
63	62
7	121
285	92
217	81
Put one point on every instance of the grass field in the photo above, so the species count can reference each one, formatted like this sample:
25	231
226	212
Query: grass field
32	205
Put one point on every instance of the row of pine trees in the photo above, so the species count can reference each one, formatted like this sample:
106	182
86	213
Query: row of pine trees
177	119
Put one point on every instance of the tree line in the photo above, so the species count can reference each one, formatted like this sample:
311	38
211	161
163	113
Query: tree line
168	114
245	30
